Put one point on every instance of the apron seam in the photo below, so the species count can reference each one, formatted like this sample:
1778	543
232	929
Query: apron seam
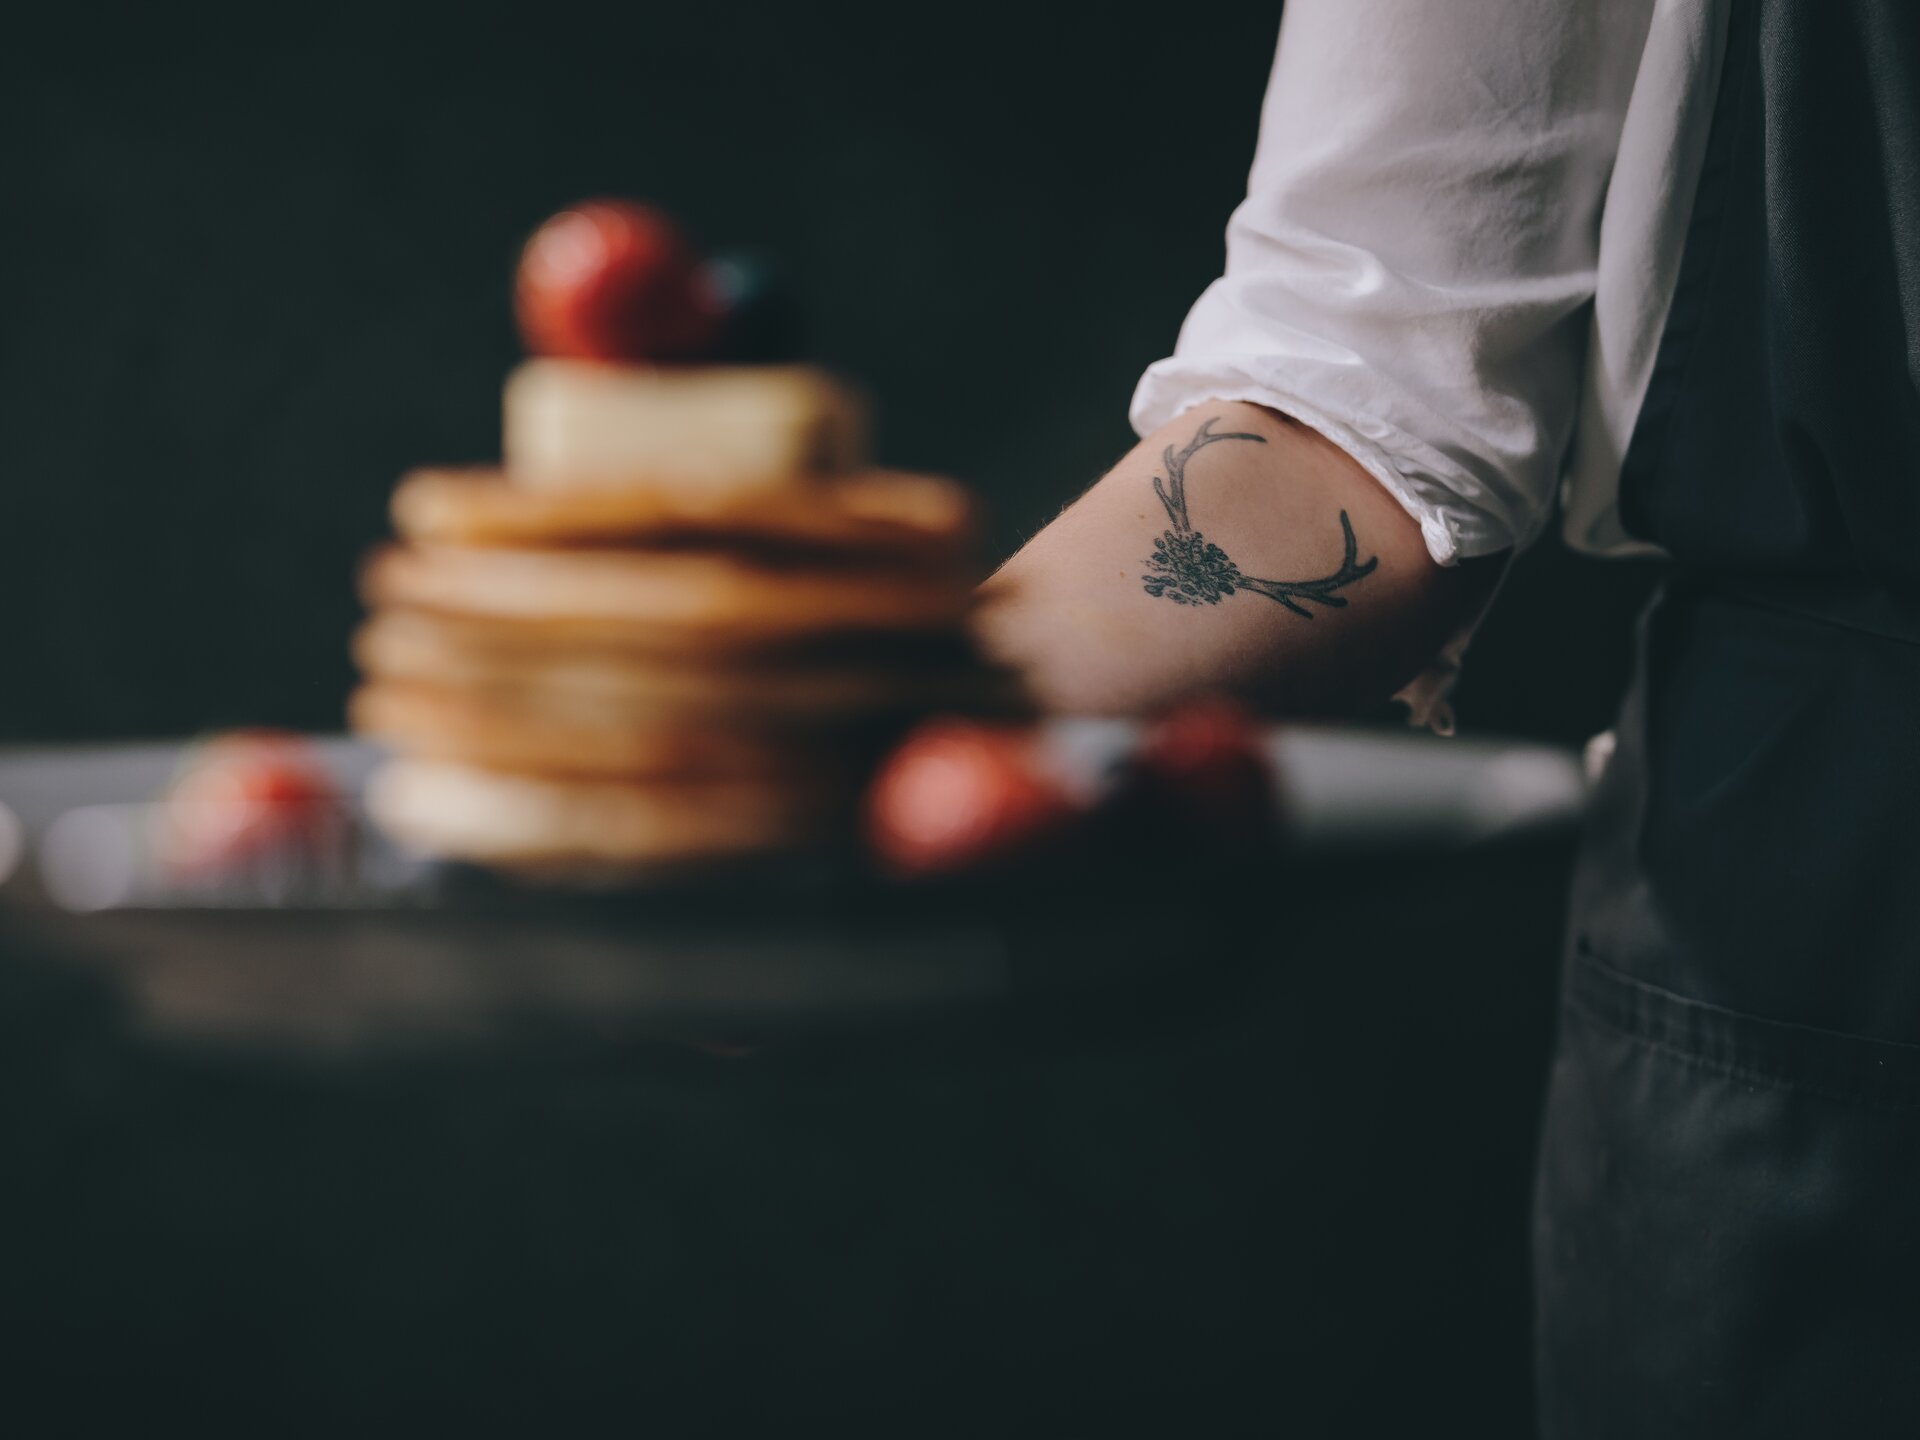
1844	1082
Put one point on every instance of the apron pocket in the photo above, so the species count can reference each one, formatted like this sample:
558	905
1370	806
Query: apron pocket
1725	1238
1850	1069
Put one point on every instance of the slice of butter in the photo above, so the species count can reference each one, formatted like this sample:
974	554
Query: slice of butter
572	424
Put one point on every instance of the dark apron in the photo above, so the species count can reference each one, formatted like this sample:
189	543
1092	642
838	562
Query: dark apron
1727	1222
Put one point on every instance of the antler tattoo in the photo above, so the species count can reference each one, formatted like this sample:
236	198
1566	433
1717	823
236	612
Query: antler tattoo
1188	569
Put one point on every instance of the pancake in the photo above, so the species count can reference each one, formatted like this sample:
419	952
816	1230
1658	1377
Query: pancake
675	597
883	512
623	686
944	645
462	812
557	735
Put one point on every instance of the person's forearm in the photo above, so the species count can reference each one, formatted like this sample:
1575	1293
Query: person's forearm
1232	550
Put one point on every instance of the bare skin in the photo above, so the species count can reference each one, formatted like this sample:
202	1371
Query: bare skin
1237	551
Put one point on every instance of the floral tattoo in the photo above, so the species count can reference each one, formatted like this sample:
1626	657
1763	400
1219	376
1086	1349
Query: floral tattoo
1189	569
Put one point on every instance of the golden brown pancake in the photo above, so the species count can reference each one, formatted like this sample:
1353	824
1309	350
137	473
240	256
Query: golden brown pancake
593	596
489	817
618	685
559	736
881	512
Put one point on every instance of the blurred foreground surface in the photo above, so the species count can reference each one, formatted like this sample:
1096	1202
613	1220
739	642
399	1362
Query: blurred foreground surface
1278	1180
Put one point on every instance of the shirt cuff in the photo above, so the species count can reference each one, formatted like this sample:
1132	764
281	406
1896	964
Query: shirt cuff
1429	486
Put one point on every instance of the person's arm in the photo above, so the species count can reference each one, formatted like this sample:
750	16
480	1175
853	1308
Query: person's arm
1409	280
1233	549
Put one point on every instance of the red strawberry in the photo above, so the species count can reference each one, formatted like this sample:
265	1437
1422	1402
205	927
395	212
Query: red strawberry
1206	761
610	280
958	795
242	796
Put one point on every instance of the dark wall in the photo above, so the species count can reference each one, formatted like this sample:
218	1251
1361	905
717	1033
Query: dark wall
251	279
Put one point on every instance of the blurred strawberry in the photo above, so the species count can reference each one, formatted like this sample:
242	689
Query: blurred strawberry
610	280
959	796
1206	763
243	796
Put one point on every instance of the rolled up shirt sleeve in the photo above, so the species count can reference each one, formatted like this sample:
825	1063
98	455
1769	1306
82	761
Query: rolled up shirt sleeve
1412	268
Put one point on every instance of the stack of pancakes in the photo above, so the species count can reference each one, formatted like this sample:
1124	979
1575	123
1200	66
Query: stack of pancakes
678	624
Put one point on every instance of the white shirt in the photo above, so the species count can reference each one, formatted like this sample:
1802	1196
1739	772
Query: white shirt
1457	251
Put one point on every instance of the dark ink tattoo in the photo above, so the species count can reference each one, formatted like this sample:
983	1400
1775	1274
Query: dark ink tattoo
1189	569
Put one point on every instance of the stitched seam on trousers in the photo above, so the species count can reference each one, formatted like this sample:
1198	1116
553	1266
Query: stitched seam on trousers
1889	1093
1729	1071
1862	1056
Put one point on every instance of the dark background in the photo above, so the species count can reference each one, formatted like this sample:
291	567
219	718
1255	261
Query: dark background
252	278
